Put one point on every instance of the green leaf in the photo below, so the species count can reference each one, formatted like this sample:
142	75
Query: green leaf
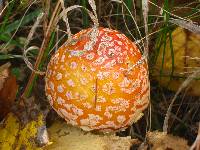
6	38
18	23
7	15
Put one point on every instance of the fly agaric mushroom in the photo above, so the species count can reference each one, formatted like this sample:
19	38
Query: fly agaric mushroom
97	83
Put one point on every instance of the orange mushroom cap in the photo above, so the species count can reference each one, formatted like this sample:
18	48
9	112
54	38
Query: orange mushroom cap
90	84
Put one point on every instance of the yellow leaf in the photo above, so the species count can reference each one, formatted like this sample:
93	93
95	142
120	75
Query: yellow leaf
15	136
186	47
8	132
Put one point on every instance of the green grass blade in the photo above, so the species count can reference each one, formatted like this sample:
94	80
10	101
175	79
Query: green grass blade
165	32
163	54
85	15
6	38
172	54
27	19
7	15
117	17
129	4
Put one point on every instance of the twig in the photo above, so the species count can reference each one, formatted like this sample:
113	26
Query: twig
29	38
186	24
42	49
145	10
2	10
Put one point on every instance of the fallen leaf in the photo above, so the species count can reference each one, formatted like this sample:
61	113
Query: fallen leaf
186	51
14	135
162	141
4	73
8	90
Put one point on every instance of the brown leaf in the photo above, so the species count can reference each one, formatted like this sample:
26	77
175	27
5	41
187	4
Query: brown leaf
162	141
8	90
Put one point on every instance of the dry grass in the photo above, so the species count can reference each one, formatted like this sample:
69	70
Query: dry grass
56	21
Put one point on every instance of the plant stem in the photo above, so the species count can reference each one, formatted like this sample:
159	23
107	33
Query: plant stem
50	29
